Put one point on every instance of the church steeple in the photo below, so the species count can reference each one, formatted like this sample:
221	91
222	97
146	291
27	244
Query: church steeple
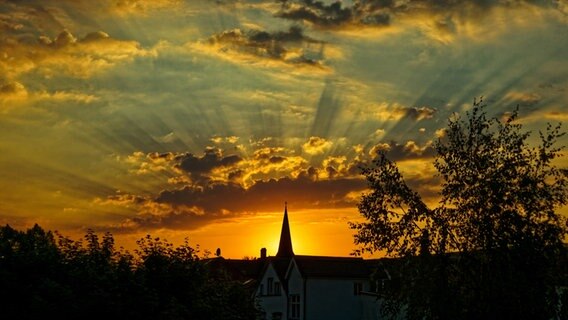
285	246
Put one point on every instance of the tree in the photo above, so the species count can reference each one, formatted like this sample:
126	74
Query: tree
43	277
486	250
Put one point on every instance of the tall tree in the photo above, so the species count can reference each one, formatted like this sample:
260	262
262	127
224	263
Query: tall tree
486	251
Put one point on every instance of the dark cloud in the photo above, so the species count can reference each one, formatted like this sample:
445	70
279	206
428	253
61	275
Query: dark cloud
335	184
317	13
335	14
277	159
12	88
198	167
418	113
291	46
266	195
382	12
236	174
407	151
190	208
174	219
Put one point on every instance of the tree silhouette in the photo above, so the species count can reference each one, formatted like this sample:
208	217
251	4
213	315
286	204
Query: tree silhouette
486	251
44	275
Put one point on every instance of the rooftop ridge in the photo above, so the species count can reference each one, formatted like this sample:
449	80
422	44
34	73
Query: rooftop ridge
328	257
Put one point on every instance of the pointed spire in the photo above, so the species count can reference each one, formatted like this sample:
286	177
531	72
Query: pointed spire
285	246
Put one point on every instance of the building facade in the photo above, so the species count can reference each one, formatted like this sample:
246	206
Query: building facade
297	287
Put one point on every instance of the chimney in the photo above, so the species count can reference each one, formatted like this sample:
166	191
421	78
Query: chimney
263	253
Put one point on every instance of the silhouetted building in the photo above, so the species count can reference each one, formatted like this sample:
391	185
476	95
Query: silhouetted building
299	287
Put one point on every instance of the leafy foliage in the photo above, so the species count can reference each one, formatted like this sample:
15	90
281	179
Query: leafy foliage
43	274
488	250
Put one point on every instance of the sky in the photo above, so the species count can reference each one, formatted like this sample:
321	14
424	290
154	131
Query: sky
198	119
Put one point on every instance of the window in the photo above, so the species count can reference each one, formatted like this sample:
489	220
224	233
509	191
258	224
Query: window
357	288
384	283
276	288
294	306
269	282
379	285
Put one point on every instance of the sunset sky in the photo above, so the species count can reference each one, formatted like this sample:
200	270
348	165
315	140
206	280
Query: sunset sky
200	118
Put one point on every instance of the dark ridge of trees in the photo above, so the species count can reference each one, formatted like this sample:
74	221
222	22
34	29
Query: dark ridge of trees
46	275
493	248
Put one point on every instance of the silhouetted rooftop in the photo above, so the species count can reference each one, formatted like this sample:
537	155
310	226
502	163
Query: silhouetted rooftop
237	269
333	267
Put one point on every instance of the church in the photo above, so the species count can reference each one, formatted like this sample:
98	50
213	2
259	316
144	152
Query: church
300	287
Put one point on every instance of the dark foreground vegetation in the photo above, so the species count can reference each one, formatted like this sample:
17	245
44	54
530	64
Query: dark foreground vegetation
494	246
46	275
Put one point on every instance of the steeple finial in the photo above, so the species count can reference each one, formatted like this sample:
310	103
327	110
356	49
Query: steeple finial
285	246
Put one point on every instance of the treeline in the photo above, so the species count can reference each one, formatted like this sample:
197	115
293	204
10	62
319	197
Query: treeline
43	274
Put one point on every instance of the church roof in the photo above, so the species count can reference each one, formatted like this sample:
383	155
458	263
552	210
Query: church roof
333	267
237	269
280	265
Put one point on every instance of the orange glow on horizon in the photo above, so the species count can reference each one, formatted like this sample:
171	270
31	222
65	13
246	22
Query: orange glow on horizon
314	232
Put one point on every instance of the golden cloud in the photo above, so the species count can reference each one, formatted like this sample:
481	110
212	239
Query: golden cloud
316	145
140	6
257	182
152	162
558	115
523	98
15	95
228	139
216	167
386	111
67	55
118	7
334	167
379	133
440	133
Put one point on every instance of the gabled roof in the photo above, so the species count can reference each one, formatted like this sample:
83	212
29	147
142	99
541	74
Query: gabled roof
333	267
280	265
241	270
